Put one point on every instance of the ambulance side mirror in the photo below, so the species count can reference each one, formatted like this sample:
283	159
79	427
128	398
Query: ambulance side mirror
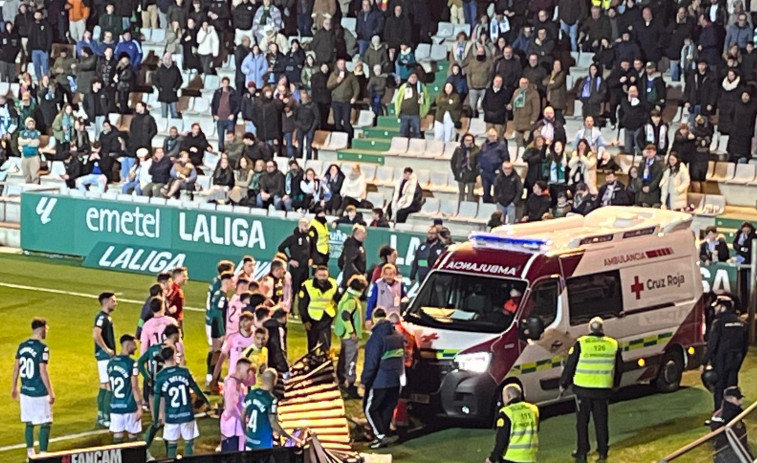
531	328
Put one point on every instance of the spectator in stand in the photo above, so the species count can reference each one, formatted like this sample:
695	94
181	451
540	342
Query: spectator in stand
131	48
591	134
266	14
139	175
655	132
63	131
613	192
571	14
405	62
73	167
271	186
93	173
508	191
583	167
525	106
160	173
322	94
306	120
267	115
740	141
555	169
40	43
397	28
677	32
333	180
344	90
538	204
222	182
739	33
254	67
241	20
448	113
208	46
124	78
167	81
370	22
494	105
255	149
293	198
411	104
196	144
557	90
10	47
674	185
464	165
478	69
324	43
535	155
377	218
700	93
651	176
183	177
633	115
28	145
652	87
407	196
350	217
490	158
224	108
713	248
742	243
242	179
550	128
729	93
142	130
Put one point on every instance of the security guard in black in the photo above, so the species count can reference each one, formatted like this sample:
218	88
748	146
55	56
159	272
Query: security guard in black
727	346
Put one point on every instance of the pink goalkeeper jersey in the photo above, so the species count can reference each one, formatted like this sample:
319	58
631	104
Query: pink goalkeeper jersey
234	392
152	331
233	314
234	346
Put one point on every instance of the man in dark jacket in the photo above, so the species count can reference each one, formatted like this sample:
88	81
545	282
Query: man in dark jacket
160	170
271	185
613	192
592	383
732	407
593	29
727	346
398	29
10	45
224	107
700	92
508	190
297	249
649	33
277	341
538	204
370	22
40	44
492	154
652	86
713	248
383	367
242	18
676	33
633	115
167	81
141	132
324	44
494	104
307	119
267	112
352	259
426	255
510	69
96	106
650	172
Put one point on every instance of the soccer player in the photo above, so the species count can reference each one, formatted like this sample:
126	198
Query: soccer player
173	401
155	291
214	322
105	348
36	395
257	353
236	306
180	277
234	347
234	392
260	414
150	364
223	267
152	331
248	269
125	413
275	285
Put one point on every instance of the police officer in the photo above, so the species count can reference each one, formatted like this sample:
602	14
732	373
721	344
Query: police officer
318	298
594	367
426	255
727	345
319	237
517	439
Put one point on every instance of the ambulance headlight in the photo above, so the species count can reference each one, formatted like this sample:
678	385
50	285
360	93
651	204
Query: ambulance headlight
477	362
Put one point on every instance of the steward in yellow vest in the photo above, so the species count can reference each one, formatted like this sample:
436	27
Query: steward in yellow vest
317	306
594	368
319	238
517	439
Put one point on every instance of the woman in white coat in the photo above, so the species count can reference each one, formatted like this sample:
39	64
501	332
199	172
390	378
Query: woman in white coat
583	166
674	184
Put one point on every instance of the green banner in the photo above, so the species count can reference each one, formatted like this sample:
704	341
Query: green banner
148	238
719	276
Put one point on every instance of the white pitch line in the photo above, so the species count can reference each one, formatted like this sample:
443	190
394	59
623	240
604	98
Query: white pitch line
8	448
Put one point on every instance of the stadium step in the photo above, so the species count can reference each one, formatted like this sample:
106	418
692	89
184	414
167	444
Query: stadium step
381	132
387	121
373	144
734	223
361	155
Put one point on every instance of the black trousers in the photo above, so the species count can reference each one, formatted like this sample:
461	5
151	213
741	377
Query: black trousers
378	406
726	378
319	332
597	408
299	275
342	117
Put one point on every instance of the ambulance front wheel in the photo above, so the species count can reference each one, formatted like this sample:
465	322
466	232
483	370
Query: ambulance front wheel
670	373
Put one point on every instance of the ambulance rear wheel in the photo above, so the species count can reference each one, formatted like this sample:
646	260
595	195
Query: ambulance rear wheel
670	373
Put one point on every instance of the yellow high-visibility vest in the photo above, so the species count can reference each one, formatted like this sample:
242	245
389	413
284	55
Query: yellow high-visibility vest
596	362
322	243
320	301
603	4
524	432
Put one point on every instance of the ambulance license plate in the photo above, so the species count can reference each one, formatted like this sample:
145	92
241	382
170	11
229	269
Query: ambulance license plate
420	398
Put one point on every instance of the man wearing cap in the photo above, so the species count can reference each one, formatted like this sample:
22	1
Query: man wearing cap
732	407
28	145
139	175
727	346
411	103
652	86
594	368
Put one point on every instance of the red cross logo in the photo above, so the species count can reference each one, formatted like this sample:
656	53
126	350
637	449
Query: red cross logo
637	287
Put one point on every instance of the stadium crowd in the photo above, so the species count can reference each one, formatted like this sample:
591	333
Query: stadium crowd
297	69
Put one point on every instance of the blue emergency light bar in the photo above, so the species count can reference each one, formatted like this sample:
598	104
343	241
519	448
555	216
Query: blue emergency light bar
494	239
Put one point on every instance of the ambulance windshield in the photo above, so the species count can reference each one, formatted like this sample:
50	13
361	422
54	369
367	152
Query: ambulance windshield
466	302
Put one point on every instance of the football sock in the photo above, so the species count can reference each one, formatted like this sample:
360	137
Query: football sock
118	439
100	404
172	446
209	363
107	394
152	431
133	438
44	436
29	435
189	447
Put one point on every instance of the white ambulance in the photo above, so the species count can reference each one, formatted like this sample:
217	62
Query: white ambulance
506	306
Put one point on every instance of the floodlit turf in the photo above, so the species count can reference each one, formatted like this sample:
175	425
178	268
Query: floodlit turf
644	425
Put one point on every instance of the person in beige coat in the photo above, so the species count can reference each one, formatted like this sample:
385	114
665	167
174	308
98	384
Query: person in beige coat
323	9
557	90
674	184
526	107
583	166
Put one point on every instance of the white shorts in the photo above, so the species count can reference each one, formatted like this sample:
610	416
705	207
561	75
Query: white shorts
187	431
207	335
102	371
36	410
125	422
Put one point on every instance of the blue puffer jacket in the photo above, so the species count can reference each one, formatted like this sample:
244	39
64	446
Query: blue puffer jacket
384	357
491	156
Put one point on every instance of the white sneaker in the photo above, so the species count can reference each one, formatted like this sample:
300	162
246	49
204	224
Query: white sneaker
30	452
